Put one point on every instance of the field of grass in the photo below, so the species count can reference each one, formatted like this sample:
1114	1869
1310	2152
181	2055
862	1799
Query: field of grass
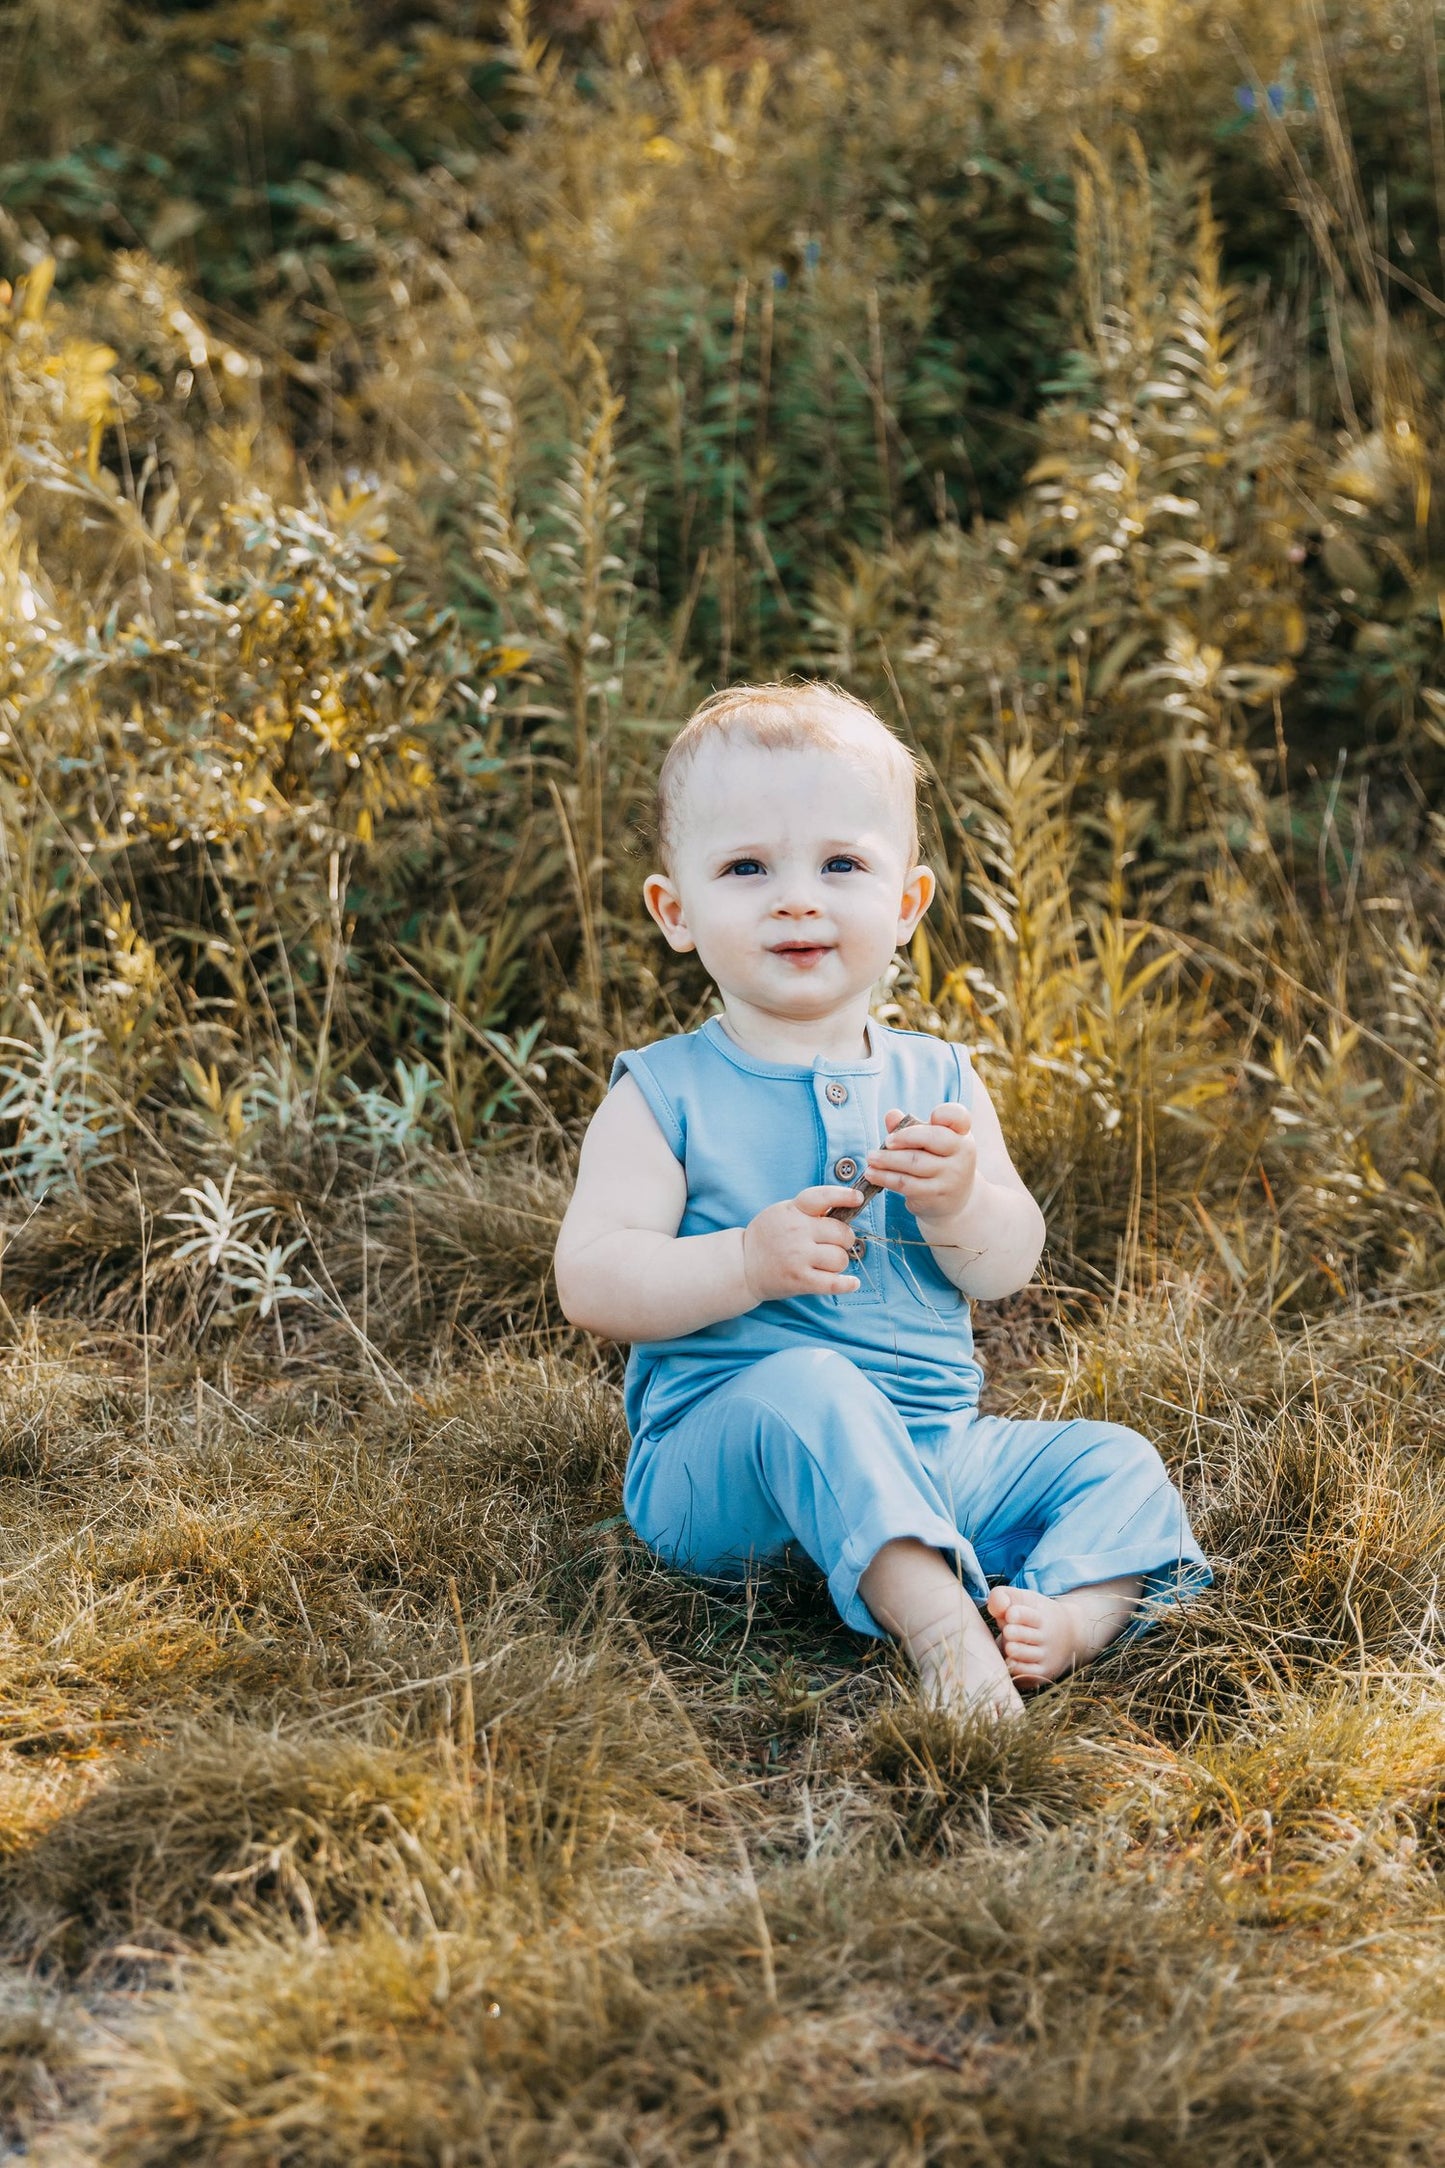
368	1796
405	414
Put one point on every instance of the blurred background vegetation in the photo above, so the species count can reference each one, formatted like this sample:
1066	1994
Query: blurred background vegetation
408	413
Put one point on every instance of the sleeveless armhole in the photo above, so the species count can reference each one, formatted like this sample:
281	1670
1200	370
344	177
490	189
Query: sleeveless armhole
965	1077
635	1064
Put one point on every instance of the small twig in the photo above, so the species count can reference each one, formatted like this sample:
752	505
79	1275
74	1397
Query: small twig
421	1685
371	1353
765	1940
145	1329
469	1706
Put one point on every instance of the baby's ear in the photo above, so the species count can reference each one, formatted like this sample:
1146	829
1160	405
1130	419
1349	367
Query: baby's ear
664	907
918	893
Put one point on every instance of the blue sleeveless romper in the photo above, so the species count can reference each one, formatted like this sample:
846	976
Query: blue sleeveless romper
839	1423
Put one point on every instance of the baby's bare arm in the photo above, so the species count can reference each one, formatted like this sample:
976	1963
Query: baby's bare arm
624	1272
621	1269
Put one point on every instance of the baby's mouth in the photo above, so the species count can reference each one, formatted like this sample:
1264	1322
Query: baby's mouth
801	952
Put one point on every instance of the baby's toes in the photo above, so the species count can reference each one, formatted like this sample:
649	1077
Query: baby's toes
1022	1648
1026	1667
1029	1676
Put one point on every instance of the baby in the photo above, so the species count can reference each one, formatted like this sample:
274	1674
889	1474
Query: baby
789	1384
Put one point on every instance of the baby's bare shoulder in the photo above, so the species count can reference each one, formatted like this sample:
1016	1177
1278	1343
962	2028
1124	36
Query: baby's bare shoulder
627	1173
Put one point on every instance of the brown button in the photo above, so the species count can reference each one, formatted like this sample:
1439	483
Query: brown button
837	1094
844	1169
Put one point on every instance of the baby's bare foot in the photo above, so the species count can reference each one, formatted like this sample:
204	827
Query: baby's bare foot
963	1679
916	1597
1042	1637
1039	1635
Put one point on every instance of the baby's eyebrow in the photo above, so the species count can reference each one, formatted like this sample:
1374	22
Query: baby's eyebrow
858	846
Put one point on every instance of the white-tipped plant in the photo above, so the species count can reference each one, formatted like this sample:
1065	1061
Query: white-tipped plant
58	1106
241	1266
399	1124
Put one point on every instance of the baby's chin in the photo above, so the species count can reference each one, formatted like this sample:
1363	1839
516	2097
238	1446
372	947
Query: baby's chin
802	991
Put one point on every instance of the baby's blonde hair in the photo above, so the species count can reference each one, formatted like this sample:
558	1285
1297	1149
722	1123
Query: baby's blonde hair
784	718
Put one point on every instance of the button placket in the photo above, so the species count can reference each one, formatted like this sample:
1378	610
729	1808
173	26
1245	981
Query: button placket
845	1157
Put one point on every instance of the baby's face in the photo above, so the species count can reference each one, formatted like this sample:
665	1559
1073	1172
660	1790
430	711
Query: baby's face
792	876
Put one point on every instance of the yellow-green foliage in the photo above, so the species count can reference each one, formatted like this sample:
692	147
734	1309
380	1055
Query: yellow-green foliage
328	734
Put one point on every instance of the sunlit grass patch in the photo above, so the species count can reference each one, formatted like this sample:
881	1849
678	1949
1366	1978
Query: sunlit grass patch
39	2065
1316	1796
195	1541
1310	1464
517	1768
220	1827
1037	2005
371	1716
950	1782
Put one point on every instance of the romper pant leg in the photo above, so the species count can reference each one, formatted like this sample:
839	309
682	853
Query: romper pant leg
1055	1506
798	1448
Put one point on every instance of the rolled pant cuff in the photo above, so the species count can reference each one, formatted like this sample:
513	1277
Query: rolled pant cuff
860	1551
1166	1581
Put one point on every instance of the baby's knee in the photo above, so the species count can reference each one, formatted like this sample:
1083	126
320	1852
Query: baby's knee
807	1380
1127	1452
815	1416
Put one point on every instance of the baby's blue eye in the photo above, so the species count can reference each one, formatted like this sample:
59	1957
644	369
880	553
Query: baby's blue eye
841	864
745	865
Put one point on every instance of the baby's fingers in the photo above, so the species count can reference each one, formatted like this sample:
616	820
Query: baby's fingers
916	1151
831	1247
825	1198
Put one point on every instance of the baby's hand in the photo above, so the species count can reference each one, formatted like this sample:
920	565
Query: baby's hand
934	1172
793	1248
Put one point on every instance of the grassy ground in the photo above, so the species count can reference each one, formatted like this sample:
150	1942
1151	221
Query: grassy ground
369	1796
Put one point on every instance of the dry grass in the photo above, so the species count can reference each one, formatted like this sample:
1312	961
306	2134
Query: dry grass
1049	2004
462	1253
386	1804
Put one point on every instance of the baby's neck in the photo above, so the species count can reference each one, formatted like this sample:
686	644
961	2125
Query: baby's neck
840	1036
